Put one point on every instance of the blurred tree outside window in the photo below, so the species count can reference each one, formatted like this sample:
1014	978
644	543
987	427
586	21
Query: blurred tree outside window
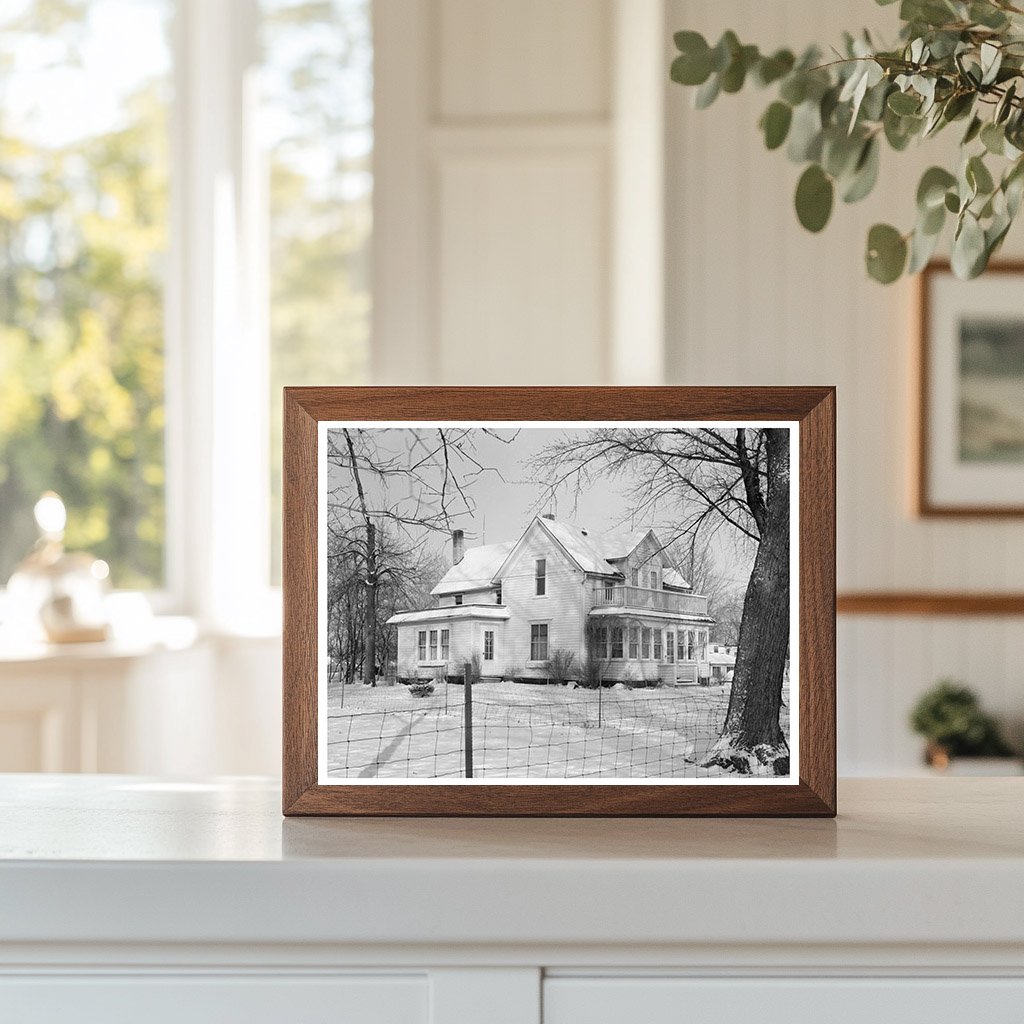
317	121
83	237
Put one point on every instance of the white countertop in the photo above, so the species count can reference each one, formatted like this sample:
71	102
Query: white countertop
120	859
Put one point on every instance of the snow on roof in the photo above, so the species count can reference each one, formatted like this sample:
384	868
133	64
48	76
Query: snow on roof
455	611
475	571
584	548
674	578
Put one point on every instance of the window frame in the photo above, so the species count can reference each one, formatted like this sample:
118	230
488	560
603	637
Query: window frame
645	643
421	645
540	577
488	645
617	644
432	645
446	644
535	640
634	643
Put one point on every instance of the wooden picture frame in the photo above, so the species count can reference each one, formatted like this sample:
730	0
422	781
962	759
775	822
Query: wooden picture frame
935	415
809	415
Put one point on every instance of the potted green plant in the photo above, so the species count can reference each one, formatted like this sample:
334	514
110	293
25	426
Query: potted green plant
952	721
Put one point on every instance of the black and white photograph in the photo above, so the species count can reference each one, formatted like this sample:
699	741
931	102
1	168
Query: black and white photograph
557	602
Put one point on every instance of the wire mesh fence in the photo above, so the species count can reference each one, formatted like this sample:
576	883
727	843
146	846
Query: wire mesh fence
549	733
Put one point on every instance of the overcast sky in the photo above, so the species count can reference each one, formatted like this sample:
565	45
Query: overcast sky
507	496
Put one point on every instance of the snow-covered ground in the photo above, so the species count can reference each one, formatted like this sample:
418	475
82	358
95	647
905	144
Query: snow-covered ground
523	731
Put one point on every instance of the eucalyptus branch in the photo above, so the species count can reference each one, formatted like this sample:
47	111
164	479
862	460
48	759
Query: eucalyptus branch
956	61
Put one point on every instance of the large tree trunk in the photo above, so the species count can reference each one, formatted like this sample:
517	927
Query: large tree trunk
752	741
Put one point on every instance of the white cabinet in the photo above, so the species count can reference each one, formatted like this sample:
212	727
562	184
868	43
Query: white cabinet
828	1000
203	999
130	899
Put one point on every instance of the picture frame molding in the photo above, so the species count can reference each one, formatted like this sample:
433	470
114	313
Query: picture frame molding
815	411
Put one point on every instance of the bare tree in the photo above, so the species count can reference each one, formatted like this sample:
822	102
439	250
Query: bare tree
736	480
398	486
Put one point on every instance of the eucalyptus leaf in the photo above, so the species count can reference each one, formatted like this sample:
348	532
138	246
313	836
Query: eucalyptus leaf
886	253
775	124
814	196
993	138
707	93
978	176
865	173
931	190
968	247
805	133
922	248
904	103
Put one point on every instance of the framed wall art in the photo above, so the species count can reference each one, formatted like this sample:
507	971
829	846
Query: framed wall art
970	444
559	601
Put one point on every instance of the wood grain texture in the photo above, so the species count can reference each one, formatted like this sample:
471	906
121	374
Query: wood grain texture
812	407
924	603
923	503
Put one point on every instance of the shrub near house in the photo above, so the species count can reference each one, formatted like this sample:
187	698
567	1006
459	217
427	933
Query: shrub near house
610	604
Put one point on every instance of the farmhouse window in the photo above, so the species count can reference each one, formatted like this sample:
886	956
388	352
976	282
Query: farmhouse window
497	596
657	645
539	641
602	643
444	644
609	593
541	576
616	641
703	640
423	645
670	646
634	577
433	645
458	599
488	645
634	643
645	643
654	579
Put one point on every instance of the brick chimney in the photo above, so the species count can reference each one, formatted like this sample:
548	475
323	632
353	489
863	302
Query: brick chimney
458	546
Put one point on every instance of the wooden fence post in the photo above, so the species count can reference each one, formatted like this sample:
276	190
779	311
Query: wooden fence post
468	717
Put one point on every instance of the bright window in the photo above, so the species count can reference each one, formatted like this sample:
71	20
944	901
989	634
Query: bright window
423	645
488	645
433	645
84	170
317	121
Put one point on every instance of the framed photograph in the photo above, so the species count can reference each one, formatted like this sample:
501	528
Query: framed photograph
559	601
970	450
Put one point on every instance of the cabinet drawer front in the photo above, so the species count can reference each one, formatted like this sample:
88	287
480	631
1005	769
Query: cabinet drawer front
202	999
783	1001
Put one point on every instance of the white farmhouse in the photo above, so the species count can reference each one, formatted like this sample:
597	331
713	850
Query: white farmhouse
613	601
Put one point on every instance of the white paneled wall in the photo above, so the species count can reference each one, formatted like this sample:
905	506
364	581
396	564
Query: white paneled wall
754	299
498	157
